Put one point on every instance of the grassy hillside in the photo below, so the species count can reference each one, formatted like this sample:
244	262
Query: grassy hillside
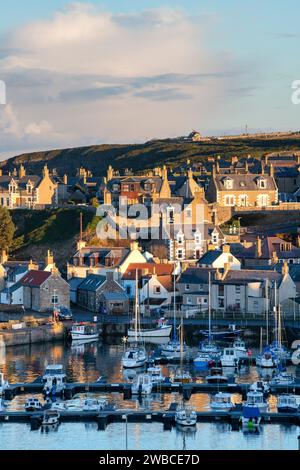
142	156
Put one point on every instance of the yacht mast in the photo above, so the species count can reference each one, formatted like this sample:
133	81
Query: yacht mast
136	306
209	307
275	313
174	303
267	312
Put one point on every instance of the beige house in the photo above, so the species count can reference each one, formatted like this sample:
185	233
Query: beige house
19	190
243	190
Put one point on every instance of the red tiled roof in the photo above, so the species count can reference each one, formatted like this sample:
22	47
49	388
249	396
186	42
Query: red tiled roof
147	268
34	278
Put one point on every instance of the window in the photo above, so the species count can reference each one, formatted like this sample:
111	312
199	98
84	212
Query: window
230	259
237	289
157	290
243	200
187	287
228	183
262	183
221	290
188	300
170	215
128	290
229	201
221	303
189	213
54	299
180	254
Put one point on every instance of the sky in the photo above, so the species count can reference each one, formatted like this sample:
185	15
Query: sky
123	71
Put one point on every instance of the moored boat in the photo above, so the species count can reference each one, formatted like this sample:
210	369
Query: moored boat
142	386
54	380
3	384
287	403
255	399
216	376
163	330
33	404
50	418
221	401
81	331
185	415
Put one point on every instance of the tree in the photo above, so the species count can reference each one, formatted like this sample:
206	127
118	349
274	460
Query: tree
7	229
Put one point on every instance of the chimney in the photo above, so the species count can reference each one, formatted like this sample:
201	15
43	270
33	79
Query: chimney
274	257
65	179
190	174
271	170
1	172
226	270
298	159
55	270
3	257
246	168
218	275
262	168
285	269
134	245
214	171
80	244
226	248
258	251
298	241
45	171
211	247
49	258
215	216
218	168
22	171
110	173
31	265
109	276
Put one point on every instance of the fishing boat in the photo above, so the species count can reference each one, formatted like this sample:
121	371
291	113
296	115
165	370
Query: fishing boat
69	405
142	386
163	330
260	386
283	378
229	358
217	333
239	346
3	384
221	401
256	399
203	360
155	374
33	404
136	355
54	380
287	403
81	331
216	376
50	418
185	415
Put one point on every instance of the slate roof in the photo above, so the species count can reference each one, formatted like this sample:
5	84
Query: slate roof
209	257
195	276
269	245
244	182
243	276
151	268
92	282
115	296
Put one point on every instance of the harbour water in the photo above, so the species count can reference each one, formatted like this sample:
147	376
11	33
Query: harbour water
85	363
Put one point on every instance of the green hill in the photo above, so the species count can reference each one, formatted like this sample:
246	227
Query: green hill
148	155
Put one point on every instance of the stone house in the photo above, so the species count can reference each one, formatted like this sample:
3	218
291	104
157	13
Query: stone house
92	294
243	190
218	259
43	290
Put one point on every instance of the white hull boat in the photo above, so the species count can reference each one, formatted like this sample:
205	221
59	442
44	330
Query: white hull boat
283	378
84	332
142	386
54	380
155	374
287	403
160	332
185	416
51	418
33	404
222	401
229	358
255	399
134	357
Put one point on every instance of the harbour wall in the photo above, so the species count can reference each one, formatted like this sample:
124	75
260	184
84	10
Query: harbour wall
41	334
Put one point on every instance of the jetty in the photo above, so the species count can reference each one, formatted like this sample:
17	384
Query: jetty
186	389
110	415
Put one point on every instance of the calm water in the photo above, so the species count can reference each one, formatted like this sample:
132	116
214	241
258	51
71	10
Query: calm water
85	363
81	436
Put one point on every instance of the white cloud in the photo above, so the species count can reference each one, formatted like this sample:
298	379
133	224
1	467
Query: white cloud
87	76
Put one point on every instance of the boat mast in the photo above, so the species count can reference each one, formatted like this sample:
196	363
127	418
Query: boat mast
136	306
275	313
174	303
209	307
267	311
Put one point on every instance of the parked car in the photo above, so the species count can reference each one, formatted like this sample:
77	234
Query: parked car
64	314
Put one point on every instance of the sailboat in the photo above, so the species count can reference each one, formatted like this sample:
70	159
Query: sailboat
208	351
173	348
267	358
136	355
282	377
181	375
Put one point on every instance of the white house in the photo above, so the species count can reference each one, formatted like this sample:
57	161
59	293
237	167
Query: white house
219	258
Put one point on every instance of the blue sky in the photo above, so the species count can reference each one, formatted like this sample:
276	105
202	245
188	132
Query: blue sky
129	70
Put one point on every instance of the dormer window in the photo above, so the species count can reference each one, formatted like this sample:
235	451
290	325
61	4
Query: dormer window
170	215
180	238
198	238
228	183
215	237
29	188
262	183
